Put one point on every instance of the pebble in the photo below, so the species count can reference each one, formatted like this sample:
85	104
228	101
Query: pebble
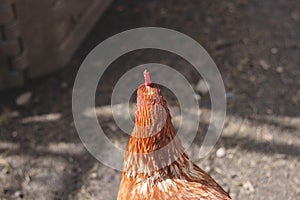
112	127
163	11
221	152
248	186
93	175
229	94
6	171
274	50
207	168
19	194
264	65
197	97
252	79
23	99
202	87
279	69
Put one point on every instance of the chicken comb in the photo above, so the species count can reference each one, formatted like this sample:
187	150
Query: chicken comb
147	78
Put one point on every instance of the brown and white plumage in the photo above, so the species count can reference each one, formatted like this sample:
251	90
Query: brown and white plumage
155	165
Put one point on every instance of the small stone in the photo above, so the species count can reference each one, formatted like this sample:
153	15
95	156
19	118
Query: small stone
14	134
202	87
23	99
197	97
19	194
279	69
6	171
93	175
252	79
229	94
274	50
248	186
240	68
264	65
221	152
14	114
112	127
207	168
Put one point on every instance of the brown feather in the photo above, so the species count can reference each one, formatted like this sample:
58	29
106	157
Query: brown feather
155	165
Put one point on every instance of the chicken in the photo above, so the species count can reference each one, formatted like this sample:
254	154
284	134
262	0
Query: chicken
156	165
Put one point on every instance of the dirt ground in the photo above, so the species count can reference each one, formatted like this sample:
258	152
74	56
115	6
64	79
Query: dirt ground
256	46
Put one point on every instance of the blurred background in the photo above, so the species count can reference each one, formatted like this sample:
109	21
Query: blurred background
255	45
